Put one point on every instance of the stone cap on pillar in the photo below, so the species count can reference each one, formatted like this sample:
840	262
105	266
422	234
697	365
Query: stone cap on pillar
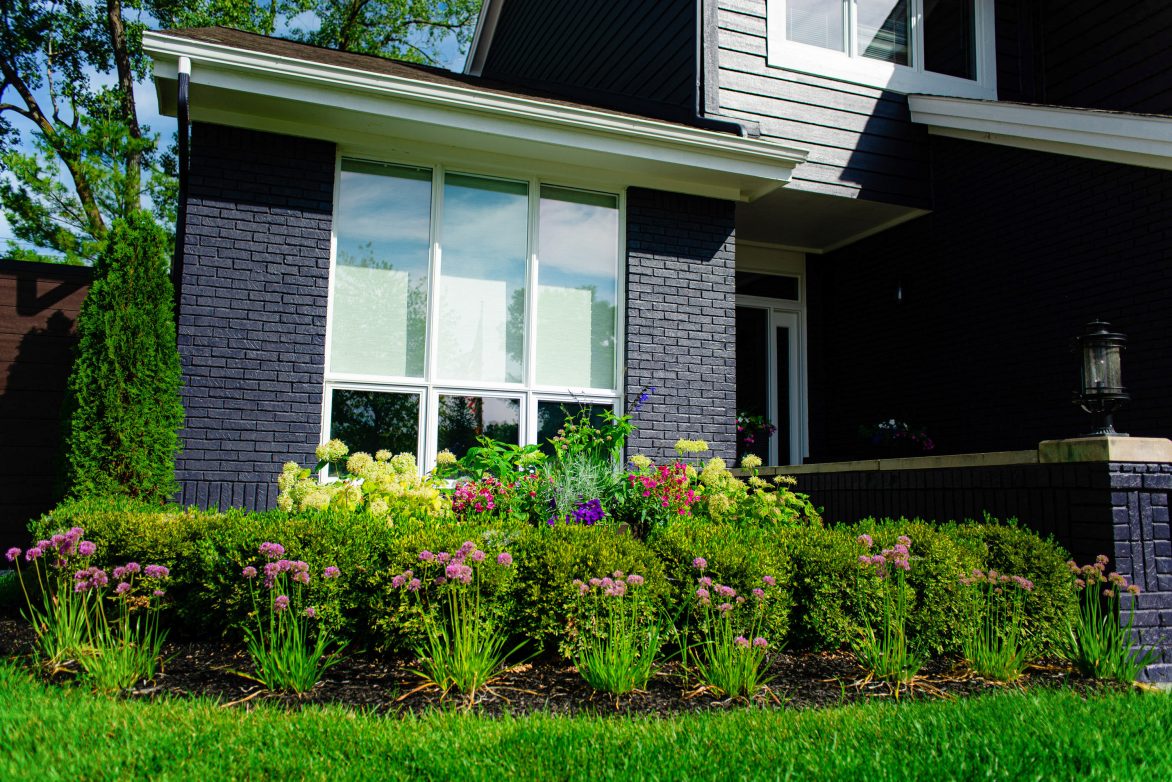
1106	448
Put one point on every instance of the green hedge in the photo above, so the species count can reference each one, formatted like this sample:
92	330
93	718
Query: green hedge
822	600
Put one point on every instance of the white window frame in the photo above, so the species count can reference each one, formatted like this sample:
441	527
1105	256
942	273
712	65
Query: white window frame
430	387
851	66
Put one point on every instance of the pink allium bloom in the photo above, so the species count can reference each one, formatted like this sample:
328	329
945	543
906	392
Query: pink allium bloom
413	585
281	602
741	641
699	563
903	540
903	564
703	593
440	581
311	612
426	556
760	642
617	574
865	540
864	559
301	577
704	581
724	607
635	580
443	557
583	589
458	571
272	550
758	593
156	571
504	559
86	548
769	581
477	556
158	593
595	582
33	553
331	572
249	572
133	568
57	540
725	591
397	582
13	553
122	588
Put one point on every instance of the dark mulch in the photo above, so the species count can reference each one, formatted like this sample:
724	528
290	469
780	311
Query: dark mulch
378	684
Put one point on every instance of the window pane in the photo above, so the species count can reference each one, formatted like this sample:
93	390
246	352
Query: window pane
380	278
816	22
370	421
482	279
950	34
772	286
883	30
578	266
463	418
551	416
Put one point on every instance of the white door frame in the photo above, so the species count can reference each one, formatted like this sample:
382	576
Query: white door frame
790	315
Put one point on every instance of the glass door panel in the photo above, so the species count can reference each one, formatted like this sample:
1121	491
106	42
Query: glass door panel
769	384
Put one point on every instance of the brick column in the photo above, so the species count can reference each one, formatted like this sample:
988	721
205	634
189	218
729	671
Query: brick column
253	311
681	321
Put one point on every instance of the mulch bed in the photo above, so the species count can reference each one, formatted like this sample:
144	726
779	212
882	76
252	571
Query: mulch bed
385	685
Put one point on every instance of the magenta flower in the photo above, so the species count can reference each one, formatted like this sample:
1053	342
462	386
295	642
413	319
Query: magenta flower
635	580
504	559
13	553
443	558
865	540
413	585
903	540
122	588
741	641
311	612
331	572
86	548
699	563
158	593
724	608
33	553
272	550
133	567
477	556
760	642
426	556
458	571
398	581
249	572
758	593
703	593
704	581
156	571
769	581
281	602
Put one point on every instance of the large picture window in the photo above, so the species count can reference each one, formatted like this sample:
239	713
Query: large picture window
942	47
464	305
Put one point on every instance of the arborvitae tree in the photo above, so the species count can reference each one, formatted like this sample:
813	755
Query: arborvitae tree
123	405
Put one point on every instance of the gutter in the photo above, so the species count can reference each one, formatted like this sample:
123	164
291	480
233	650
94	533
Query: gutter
184	117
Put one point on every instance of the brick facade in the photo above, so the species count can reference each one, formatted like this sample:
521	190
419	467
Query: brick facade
681	321
252	318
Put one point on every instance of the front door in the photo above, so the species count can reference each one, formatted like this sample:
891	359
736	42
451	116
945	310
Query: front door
769	380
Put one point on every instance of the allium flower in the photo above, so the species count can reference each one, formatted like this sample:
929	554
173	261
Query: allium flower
635	580
704	581
156	571
758	593
477	556
33	553
703	593
272	550
760	642
699	563
311	612
13	553
903	540
504	559
769	581
281	602
426	556
133	568
122	588
724	608
158	593
458	571
249	572
725	591
443	557
865	540
331	572
398	581
741	641
86	548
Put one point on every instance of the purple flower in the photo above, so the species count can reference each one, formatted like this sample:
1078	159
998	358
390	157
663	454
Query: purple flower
122	588
443	558
133	568
741	641
458	571
86	548
769	581
272	550
725	591
398	581
331	572
504	559
724	608
589	512
865	540
426	556
281	602
702	593
249	572
477	556
311	612
413	585
13	553
156	571
760	642
158	593
704	581
635	580
699	563
903	540
33	553
758	593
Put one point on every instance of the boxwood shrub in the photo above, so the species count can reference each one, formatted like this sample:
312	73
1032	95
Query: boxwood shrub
822	602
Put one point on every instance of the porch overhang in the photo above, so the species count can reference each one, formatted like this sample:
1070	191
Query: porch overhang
1117	137
386	115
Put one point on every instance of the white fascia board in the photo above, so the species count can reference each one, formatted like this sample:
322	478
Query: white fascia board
234	81
490	13
1133	139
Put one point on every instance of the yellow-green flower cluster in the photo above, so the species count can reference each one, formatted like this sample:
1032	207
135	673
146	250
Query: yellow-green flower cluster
684	447
751	462
640	461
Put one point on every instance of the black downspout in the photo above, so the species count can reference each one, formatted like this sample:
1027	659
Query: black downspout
184	117
698	118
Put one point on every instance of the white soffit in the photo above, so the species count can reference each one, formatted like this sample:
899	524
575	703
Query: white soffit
1134	139
392	116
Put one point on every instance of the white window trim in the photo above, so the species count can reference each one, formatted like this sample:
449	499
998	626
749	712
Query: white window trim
851	67
430	387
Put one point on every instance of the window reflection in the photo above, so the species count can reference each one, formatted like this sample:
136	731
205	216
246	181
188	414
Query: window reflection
464	418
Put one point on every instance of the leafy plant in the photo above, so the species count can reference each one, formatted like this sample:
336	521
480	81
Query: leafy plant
1099	643
886	653
730	656
286	654
583	438
59	615
464	647
503	461
1000	648
618	644
578	489
129	648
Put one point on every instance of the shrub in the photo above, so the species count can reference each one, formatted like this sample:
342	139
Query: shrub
122	397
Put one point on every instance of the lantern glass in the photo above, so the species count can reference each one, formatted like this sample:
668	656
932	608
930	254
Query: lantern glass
1101	367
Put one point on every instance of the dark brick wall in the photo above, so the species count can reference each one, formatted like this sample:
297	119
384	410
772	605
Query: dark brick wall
680	328
1143	552
1022	249
253	311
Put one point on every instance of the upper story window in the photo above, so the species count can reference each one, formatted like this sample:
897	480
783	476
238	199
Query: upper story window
940	47
464	305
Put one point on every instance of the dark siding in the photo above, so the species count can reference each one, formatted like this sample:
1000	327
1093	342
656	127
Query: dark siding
635	56
680	330
253	311
1023	248
861	139
1018	40
1114	55
39	304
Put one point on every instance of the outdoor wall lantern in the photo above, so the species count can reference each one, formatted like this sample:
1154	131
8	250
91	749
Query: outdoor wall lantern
1101	390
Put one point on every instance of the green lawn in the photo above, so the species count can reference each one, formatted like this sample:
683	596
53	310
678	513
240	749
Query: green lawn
50	733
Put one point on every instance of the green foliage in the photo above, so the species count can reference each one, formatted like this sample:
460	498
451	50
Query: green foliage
584	437
1099	642
123	393
503	461
1000	648
731	651
883	647
618	634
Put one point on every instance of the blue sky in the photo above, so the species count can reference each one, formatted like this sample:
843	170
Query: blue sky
148	107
